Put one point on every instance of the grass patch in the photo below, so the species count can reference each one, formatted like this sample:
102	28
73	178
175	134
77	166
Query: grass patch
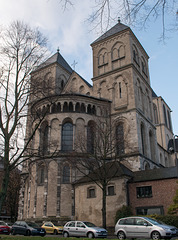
12	237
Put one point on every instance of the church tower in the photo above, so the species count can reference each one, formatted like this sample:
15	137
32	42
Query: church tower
120	73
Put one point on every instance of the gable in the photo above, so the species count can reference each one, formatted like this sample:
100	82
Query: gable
76	84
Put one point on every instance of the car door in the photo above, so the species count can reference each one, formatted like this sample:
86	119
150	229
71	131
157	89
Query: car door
142	228
48	227
71	228
129	227
23	228
18	228
80	229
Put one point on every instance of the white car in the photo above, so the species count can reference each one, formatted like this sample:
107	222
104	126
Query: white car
143	227
83	229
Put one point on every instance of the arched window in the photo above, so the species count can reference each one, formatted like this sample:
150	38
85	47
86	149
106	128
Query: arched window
70	107
121	51
62	84
143	138
155	113
93	110
147	166
58	107
67	137
169	120
135	55
151	145
89	109
66	174
115	54
144	69
65	107
120	90
90	137
120	148
53	109
105	58
44	138
83	109
41	174
77	107
165	117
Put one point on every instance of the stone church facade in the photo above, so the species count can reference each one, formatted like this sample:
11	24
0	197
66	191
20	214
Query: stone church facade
67	104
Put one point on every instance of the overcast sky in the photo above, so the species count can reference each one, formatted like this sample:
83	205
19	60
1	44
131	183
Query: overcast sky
70	31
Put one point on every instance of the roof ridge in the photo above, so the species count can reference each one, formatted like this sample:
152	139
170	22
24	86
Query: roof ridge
113	30
56	58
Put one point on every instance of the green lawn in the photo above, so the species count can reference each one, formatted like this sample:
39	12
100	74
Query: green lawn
11	237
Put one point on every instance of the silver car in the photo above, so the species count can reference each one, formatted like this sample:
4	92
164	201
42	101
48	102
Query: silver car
83	229
143	227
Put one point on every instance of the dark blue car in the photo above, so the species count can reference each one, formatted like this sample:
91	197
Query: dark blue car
27	229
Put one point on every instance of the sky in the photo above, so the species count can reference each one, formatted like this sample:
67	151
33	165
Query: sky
70	31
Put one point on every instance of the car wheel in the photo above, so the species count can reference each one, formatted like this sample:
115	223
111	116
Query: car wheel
65	234
28	233
155	235
55	232
121	235
90	235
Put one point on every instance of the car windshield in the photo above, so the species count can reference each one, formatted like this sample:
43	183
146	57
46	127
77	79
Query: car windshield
89	224
32	224
155	222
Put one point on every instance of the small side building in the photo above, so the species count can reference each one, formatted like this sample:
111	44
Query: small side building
146	192
152	191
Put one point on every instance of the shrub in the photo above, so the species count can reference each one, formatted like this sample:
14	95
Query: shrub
124	211
168	219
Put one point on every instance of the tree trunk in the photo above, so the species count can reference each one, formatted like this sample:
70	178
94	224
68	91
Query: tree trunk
6	174
104	205
4	187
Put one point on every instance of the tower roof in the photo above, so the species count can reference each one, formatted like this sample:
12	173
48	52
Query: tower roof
56	58
116	29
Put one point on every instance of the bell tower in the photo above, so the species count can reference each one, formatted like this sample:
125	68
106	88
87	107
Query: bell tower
120	74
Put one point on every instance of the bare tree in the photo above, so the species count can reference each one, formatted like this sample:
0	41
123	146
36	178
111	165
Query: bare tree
96	156
132	12
12	198
21	50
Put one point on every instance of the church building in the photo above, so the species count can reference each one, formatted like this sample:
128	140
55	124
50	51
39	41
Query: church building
67	104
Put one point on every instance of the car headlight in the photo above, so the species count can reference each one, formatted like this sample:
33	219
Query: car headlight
166	229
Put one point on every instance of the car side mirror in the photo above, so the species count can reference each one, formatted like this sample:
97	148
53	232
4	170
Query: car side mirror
145	224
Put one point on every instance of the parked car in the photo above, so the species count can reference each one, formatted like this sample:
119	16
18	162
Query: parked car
143	227
51	228
27	229
4	228
83	229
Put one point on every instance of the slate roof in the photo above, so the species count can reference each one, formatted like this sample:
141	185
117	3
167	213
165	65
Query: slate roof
155	174
116	29
56	58
115	169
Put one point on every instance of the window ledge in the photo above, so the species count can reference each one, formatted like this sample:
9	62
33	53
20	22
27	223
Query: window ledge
120	58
